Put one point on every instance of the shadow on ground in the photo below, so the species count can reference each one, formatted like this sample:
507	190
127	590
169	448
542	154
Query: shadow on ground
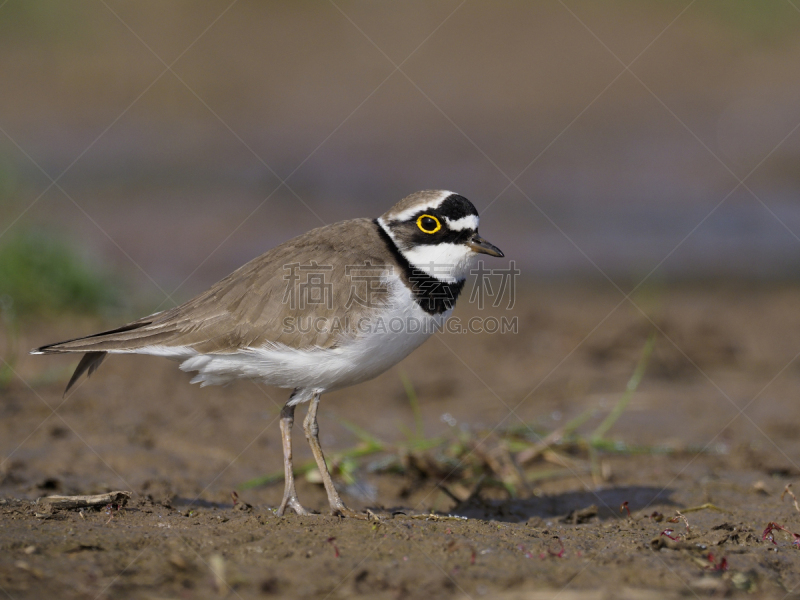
573	507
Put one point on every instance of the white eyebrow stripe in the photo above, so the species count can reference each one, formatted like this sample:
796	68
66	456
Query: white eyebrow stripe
468	222
432	205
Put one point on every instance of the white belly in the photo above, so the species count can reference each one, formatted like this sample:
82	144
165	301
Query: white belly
383	341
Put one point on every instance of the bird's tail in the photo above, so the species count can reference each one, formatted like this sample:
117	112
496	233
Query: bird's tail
89	362
96	346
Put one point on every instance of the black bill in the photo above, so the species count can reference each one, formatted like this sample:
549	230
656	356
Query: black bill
478	244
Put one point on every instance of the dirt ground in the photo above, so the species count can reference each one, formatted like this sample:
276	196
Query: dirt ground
718	403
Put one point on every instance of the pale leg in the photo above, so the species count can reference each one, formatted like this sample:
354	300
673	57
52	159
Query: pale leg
312	435
289	493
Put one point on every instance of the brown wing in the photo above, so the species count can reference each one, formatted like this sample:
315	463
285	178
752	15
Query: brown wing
251	306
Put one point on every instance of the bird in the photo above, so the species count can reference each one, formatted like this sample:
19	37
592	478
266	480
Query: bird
331	308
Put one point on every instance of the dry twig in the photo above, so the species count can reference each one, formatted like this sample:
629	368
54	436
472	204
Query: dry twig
97	500
786	490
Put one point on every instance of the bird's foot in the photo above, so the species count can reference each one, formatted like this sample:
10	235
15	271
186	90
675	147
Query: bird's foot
340	510
293	503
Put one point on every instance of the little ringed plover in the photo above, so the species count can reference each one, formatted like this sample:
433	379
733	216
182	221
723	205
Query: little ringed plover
328	309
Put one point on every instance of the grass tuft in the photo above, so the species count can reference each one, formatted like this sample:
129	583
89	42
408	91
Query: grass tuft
510	460
43	275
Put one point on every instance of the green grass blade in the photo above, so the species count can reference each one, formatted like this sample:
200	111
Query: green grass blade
413	400
363	435
11	326
633	383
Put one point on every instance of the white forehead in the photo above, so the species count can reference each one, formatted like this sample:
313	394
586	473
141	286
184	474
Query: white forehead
433	202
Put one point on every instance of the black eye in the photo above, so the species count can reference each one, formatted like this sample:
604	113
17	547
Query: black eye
429	224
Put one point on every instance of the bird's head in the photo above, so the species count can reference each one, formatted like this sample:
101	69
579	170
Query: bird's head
437	232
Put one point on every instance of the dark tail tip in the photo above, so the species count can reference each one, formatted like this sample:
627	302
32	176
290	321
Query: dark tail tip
90	362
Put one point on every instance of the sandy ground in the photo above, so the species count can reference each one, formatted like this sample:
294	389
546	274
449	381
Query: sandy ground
722	379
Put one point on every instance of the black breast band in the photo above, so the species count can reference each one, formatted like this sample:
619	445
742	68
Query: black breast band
433	295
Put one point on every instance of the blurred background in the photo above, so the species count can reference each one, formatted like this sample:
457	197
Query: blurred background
149	148
169	143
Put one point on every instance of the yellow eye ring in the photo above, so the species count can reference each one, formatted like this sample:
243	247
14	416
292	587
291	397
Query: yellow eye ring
422	227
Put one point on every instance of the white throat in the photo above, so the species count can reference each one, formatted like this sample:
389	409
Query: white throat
446	262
